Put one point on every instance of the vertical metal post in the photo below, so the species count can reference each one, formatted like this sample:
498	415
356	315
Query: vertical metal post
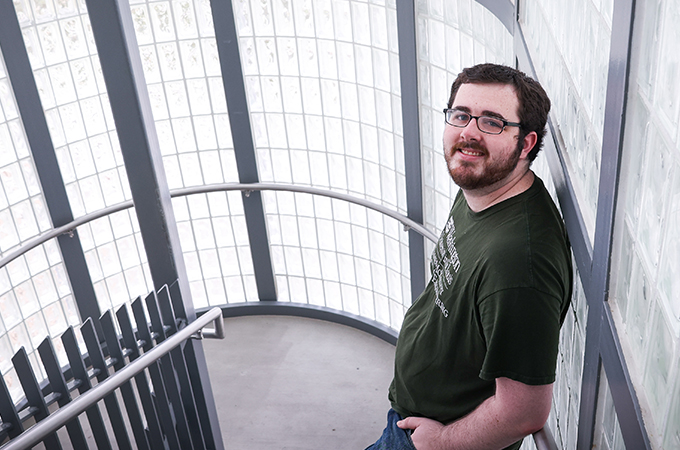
244	148
410	107
504	10
623	391
32	115
116	42
121	65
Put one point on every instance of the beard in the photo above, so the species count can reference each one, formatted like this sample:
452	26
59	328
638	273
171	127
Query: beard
465	175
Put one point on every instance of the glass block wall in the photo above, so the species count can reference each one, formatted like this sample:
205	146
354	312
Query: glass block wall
322	79
181	66
564	416
35	295
576	82
564	413
66	68
645	280
573	68
608	434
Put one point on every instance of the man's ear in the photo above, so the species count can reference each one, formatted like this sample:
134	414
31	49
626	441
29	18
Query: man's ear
528	144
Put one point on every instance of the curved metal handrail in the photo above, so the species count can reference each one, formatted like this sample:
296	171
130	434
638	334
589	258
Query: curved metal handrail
79	404
246	187
544	439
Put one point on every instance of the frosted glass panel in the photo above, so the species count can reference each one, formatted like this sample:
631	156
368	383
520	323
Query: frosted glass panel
323	90
645	260
564	415
68	76
35	294
573	69
181	66
607	434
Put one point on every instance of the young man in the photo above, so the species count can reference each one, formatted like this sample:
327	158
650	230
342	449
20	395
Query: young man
476	355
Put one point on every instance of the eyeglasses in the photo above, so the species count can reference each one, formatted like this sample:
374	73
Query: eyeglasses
485	124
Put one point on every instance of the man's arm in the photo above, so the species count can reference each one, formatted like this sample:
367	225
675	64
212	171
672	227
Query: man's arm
516	410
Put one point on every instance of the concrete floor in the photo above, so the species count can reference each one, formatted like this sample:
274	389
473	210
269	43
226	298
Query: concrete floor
298	384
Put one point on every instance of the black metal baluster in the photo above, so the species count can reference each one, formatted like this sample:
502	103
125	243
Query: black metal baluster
171	383
79	372
155	434
11	423
33	394
160	393
58	385
129	399
193	351
98	362
179	363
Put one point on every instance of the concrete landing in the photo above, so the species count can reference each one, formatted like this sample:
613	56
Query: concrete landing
298	384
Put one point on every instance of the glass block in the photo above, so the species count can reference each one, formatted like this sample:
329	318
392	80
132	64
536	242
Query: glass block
637	125
656	179
649	40
37	328
332	295
671	437
9	310
25	218
72	122
283	17
13	385
668	67
267	56
640	298
51	43
62	83
669	282
185	19
55	319
142	24
607	424
74	38
19	337
26	298
162	22
660	361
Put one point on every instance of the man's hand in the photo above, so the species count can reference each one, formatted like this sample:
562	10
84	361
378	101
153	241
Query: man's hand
514	411
427	433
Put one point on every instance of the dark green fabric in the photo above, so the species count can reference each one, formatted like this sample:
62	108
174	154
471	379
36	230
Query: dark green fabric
504	280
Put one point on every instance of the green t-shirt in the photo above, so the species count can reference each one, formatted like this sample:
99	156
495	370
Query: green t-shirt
500	288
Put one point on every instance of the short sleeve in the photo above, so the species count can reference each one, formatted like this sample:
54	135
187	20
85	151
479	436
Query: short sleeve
521	329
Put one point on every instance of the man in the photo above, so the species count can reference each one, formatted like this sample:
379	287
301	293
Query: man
476	355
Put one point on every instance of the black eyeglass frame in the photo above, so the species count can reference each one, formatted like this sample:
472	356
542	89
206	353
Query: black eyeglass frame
505	122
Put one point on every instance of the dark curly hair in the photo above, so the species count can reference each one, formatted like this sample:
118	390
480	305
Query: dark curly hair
534	103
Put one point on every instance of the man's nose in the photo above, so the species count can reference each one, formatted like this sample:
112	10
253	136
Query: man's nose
471	130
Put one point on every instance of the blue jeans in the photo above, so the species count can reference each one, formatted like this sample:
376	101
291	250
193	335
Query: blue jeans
393	437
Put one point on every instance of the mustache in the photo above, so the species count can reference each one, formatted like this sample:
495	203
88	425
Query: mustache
471	145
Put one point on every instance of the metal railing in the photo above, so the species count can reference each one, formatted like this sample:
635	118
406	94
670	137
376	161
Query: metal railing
245	187
65	414
543	438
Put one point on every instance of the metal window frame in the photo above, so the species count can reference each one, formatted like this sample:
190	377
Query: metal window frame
410	116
